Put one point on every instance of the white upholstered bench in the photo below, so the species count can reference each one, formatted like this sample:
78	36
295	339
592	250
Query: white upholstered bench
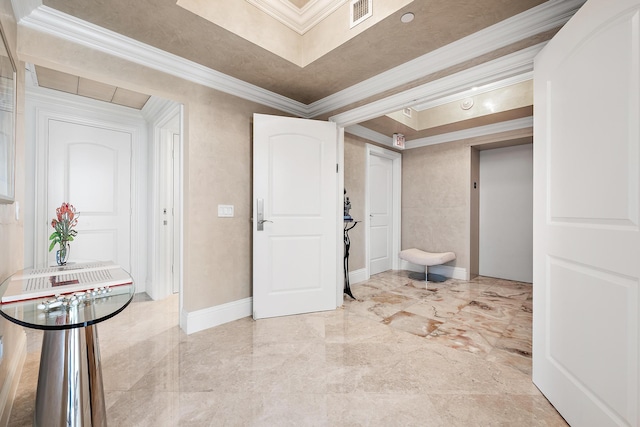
416	256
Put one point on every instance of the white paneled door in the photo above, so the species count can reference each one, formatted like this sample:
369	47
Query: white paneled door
586	270
90	168
380	213
295	221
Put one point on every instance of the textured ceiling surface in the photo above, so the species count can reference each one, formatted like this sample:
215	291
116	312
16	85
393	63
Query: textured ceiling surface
164	25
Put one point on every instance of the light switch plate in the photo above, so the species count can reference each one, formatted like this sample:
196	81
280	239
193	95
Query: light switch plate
225	211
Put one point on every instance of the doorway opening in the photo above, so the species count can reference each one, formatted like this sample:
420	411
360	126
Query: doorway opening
166	204
382	209
501	202
81	119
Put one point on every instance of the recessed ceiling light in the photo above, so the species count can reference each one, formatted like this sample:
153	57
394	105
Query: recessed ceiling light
407	17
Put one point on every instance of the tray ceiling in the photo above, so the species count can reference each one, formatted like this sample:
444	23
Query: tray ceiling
299	15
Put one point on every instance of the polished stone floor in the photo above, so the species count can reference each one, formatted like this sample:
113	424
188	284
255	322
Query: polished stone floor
456	354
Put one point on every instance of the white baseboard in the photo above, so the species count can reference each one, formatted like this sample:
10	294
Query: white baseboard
451	272
358	276
444	270
213	316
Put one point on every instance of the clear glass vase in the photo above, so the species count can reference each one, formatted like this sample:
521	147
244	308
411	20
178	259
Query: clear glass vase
62	254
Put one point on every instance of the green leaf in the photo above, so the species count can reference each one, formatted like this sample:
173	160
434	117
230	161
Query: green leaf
51	246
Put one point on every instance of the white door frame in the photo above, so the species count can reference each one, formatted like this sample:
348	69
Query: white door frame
339	217
166	123
44	105
396	159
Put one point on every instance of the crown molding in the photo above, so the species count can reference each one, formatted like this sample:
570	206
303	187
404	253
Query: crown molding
517	63
58	24
369	134
546	16
302	19
523	123
477	90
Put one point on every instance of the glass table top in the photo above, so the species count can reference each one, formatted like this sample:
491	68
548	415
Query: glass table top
84	310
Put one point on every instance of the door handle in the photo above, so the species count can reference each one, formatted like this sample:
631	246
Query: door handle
260	215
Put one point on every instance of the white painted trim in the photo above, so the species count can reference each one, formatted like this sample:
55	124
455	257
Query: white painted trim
302	19
183	180
206	318
158	112
157	109
339	217
45	104
83	104
58	24
358	276
546	16
475	91
459	273
539	19
396	159
516	124
369	134
508	66
448	271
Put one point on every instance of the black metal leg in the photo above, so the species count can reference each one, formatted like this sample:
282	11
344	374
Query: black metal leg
347	245
347	288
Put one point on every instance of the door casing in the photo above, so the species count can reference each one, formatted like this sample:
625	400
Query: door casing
396	159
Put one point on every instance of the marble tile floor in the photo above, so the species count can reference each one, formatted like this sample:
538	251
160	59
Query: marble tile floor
456	354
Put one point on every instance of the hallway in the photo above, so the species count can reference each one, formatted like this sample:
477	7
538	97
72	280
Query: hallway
457	354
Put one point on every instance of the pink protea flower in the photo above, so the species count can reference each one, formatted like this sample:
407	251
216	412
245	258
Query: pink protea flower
66	219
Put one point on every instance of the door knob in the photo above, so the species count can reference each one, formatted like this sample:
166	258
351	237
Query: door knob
262	221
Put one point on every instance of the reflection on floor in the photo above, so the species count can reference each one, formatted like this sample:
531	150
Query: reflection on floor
456	354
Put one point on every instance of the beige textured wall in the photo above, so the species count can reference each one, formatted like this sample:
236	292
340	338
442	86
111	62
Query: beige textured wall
435	199
439	210
217	164
11	229
355	175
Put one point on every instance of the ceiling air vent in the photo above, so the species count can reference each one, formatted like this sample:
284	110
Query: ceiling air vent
360	10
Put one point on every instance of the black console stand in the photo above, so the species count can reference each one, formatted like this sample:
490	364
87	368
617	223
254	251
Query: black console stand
348	225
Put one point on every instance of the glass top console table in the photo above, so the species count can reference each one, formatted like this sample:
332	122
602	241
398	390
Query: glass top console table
70	391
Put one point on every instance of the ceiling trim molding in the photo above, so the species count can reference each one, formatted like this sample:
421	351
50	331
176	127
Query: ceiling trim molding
510	125
302	19
478	90
67	27
549	15
511	65
544	17
369	134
